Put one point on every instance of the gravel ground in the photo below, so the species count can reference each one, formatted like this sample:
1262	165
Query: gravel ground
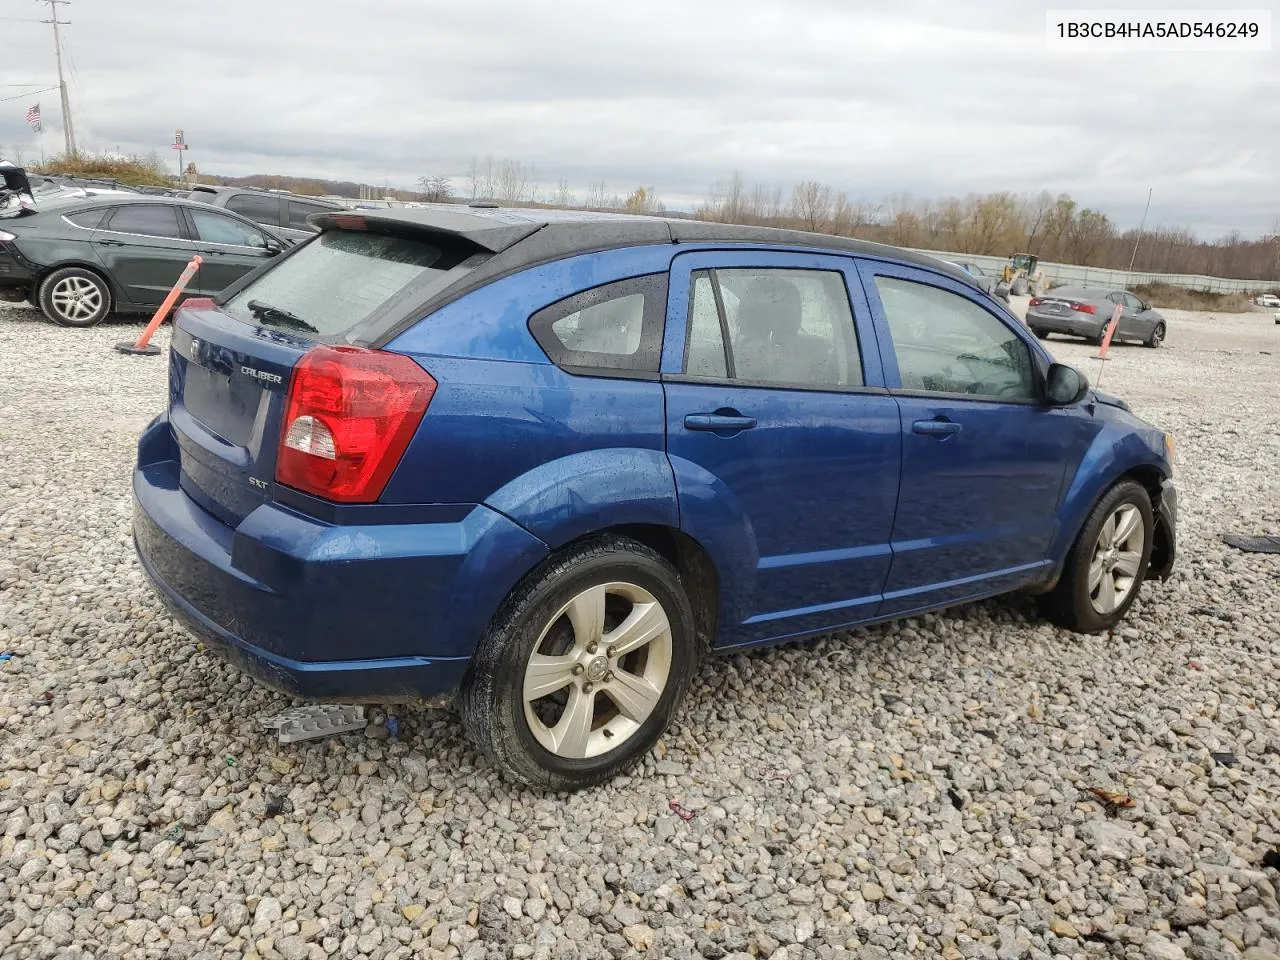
917	789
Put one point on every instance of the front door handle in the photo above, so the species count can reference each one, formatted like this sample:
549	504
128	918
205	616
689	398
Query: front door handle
110	243
718	422
935	428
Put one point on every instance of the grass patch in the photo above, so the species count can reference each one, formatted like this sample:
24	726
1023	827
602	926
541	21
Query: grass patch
1178	298
135	172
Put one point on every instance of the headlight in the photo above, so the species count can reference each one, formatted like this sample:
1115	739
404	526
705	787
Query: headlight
6	236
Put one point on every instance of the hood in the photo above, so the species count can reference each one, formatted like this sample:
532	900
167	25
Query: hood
1111	401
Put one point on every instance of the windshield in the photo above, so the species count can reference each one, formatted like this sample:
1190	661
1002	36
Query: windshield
337	281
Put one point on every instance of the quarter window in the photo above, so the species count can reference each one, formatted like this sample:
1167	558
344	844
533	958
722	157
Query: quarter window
948	344
89	219
784	327
145	219
615	329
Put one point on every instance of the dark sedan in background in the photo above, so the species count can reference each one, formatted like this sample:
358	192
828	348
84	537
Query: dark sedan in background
81	258
1085	312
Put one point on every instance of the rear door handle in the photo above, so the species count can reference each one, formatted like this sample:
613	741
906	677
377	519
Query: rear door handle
110	243
935	428
718	422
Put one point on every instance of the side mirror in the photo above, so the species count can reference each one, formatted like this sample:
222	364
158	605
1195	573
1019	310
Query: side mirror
273	246
1065	385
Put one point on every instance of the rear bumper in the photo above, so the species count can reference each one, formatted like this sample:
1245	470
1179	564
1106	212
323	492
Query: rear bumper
387	612
1079	325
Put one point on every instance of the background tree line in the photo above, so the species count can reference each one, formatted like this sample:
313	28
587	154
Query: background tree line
1055	228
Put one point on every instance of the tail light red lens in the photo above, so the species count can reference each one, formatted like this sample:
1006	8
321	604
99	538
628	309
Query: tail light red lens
350	416
1084	308
1035	302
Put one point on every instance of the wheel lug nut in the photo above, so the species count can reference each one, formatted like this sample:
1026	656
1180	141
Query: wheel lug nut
608	677
586	688
591	648
577	669
611	652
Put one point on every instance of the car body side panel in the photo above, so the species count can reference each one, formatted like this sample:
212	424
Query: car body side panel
492	322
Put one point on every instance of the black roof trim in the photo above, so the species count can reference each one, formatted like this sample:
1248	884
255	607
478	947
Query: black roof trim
564	233
487	233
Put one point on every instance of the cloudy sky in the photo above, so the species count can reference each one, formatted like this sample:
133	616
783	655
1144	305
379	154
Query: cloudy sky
928	97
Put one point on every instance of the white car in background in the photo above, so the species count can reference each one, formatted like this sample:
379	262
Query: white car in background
1267	300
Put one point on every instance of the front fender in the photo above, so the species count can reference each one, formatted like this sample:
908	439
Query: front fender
567	498
1116	450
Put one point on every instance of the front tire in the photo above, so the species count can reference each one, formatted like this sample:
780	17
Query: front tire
1157	337
583	666
74	297
1040	334
1106	567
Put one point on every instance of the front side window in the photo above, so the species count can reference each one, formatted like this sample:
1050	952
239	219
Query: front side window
259	209
215	228
784	327
945	343
146	219
607	330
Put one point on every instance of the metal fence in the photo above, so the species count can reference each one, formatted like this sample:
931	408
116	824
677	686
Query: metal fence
1062	273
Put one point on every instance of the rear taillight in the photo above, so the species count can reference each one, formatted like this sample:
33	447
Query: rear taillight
1035	302
350	416
1084	308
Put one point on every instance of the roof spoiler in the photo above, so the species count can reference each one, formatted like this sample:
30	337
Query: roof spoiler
491	233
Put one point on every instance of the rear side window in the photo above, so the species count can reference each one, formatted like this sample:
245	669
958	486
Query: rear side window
147	220
339	280
611	330
260	209
786	327
89	219
299	210
216	228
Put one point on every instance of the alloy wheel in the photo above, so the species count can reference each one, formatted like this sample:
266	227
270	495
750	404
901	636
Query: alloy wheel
598	670
76	299
1117	557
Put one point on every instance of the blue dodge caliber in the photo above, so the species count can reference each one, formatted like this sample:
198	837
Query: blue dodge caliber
544	462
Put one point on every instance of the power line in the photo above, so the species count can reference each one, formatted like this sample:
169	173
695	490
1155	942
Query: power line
23	96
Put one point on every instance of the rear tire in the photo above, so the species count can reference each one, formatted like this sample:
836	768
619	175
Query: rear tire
1040	334
1157	337
1105	569
74	297
551	684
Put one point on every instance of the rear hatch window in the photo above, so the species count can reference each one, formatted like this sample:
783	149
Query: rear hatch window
338	281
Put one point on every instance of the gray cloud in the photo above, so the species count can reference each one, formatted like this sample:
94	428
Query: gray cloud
929	98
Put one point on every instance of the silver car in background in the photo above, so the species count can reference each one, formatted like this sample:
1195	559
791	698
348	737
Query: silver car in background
984	280
1085	312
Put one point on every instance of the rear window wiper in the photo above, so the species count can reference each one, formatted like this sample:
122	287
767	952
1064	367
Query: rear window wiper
269	314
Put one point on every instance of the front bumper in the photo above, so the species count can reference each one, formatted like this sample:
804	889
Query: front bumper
1165	546
384	612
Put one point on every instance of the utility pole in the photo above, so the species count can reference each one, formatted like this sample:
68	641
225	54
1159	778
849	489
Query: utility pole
68	130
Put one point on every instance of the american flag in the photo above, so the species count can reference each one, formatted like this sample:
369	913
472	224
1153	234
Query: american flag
33	117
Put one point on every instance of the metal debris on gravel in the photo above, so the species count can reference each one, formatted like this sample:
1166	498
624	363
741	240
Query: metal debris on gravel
912	790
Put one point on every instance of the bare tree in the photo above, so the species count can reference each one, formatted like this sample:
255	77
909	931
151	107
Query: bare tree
599	197
514	182
811	204
435	189
562	196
